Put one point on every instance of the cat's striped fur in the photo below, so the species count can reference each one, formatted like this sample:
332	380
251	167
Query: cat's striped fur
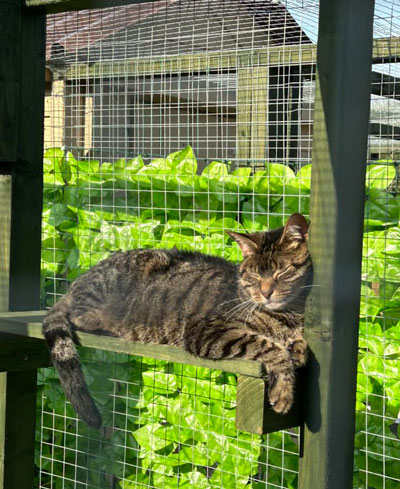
210	307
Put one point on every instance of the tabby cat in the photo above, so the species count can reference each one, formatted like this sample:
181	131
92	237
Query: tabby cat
210	307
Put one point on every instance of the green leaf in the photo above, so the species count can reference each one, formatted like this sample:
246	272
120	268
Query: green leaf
380	176
381	209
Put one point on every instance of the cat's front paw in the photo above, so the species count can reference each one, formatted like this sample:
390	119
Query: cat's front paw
298	352
280	393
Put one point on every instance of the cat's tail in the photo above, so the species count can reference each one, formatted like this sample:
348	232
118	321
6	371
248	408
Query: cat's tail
59	335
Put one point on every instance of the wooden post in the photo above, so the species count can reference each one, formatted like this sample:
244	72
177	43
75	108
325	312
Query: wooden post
337	205
22	75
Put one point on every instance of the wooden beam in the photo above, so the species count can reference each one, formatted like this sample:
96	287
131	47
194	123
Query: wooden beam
244	109
27	177
259	114
29	325
385	50
337	205
55	6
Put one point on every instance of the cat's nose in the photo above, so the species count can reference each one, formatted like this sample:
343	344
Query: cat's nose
267	288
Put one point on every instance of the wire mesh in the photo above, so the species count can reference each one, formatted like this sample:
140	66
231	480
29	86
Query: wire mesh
166	425
168	123
377	454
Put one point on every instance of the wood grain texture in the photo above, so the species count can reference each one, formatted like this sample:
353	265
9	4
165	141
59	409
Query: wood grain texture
29	326
385	50
337	205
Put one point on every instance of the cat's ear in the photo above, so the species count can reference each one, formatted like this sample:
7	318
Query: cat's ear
296	229
248	242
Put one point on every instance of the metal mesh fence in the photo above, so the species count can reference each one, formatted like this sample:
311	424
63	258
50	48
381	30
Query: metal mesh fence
165	425
377	455
168	123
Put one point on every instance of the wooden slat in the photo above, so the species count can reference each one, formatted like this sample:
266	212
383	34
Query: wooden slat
29	326
259	114
55	6
244	101
385	50
339	152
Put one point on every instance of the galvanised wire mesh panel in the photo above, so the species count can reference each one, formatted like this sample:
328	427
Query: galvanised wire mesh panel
165	425
377	454
168	123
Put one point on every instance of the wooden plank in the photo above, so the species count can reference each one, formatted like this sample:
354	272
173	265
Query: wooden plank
206	61
54	6
385	50
341	114
9	75
17	429
254	414
27	178
244	101
259	114
16	324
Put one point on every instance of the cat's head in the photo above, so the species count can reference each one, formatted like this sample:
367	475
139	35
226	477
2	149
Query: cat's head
276	264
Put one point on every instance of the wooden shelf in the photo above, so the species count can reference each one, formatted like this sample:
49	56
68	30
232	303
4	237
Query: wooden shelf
22	347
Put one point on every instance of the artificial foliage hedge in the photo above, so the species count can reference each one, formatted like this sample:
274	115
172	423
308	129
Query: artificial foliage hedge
91	210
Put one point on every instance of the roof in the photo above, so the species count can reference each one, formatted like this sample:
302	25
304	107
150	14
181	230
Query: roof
168	27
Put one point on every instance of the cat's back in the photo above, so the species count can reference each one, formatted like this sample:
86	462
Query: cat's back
124	270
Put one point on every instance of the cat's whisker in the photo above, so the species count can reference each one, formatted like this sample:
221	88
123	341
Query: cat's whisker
227	302
310	286
237	308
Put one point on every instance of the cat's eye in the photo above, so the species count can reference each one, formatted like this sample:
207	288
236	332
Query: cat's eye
282	272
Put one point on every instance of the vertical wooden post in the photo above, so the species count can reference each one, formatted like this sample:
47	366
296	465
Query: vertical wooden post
22	76
337	205
259	107
243	123
27	170
252	109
